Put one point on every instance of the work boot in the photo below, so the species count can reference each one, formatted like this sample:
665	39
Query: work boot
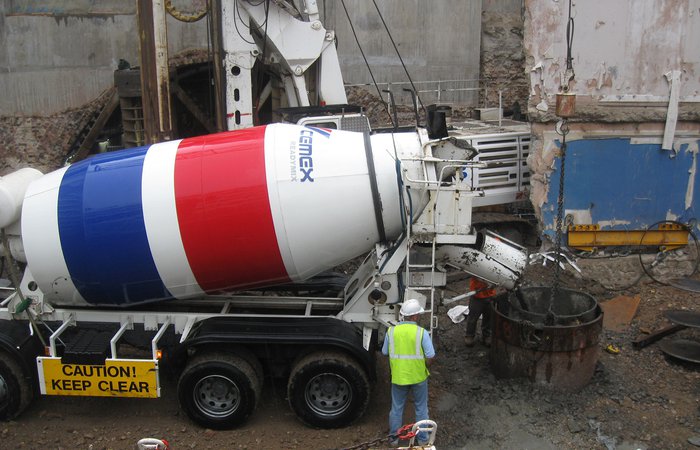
469	341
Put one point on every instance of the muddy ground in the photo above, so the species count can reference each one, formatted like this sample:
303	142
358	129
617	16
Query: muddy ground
637	399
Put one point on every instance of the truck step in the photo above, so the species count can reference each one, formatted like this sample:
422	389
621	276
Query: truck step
87	347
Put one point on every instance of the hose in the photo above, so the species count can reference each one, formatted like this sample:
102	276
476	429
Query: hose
641	263
14	277
183	17
690	232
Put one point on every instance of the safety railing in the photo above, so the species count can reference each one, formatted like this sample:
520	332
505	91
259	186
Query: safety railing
462	92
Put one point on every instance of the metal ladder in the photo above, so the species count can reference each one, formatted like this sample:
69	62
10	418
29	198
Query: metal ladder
429	289
433	186
431	234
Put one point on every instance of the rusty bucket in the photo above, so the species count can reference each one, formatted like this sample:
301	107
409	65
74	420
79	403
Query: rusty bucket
556	347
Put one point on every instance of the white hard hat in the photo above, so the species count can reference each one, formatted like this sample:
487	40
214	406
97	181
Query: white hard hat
411	307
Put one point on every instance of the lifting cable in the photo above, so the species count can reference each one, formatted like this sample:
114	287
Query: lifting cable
210	65
569	42
400	58
237	12
261	74
562	128
352	28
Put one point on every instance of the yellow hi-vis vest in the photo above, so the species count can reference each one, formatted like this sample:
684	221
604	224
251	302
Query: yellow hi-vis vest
406	354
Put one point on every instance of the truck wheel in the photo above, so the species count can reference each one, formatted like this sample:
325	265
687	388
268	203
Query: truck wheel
218	390
328	390
16	391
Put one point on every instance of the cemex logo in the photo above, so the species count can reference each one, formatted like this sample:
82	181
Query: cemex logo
306	161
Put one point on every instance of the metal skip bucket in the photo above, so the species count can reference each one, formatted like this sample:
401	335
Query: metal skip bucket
559	350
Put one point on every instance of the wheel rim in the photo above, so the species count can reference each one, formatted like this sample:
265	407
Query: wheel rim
328	394
217	396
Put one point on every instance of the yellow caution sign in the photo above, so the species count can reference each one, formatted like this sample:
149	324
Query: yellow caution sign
122	378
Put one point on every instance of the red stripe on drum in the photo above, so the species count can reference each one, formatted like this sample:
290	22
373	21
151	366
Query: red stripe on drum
224	213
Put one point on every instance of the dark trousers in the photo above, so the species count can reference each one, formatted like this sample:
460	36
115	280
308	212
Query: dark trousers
479	307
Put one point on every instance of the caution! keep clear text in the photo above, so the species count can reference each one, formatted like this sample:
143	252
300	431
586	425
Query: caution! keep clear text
123	378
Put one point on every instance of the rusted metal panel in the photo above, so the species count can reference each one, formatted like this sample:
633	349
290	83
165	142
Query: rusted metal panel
619	312
566	105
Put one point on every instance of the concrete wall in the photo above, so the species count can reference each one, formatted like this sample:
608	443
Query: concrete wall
618	174
72	59
54	58
58	58
438	40
56	67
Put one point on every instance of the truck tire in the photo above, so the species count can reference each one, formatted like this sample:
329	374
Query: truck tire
16	391
328	390
218	390
251	359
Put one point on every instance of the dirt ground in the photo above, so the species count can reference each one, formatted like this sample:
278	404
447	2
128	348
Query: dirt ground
637	399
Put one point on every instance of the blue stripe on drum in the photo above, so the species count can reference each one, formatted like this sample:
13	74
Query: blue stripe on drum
102	231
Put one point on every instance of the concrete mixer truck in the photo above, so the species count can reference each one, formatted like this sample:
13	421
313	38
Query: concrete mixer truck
199	256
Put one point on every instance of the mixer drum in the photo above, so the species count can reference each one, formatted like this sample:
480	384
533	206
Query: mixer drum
227	211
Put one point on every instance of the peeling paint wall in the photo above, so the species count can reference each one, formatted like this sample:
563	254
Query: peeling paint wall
633	144
621	183
622	51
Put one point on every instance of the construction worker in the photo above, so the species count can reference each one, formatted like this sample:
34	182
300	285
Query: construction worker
479	305
410	352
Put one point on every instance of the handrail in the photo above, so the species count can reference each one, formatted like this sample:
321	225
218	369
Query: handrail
483	86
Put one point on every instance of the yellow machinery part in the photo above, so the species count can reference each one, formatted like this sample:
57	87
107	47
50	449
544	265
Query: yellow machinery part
668	236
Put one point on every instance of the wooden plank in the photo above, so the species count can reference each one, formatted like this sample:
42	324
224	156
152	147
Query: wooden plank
645	340
96	128
193	108
155	82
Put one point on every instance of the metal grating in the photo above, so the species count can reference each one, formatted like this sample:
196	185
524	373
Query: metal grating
507	178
